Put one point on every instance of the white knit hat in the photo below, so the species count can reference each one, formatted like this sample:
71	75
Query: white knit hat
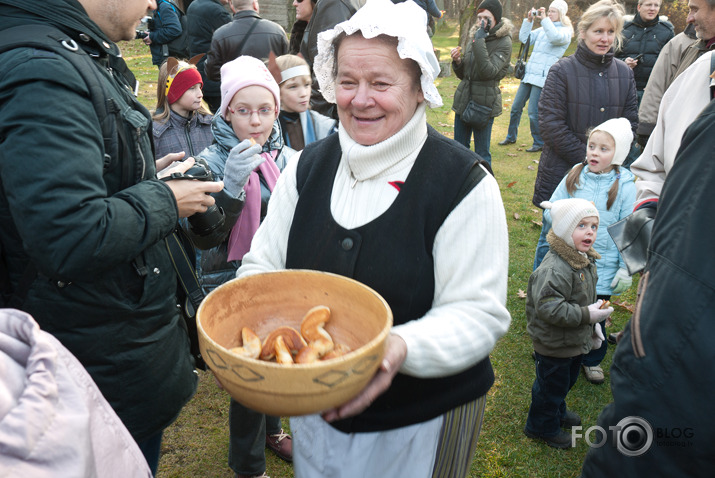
561	6
567	213
620	131
405	21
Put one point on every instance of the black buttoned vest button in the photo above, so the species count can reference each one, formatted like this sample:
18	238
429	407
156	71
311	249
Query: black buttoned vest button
347	244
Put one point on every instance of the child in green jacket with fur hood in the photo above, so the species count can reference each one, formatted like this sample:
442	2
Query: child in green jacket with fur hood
561	310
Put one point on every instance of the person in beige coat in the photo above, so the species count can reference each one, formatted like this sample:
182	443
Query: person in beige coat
660	78
682	103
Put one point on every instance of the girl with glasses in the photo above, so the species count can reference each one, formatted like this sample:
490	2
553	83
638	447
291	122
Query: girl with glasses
248	155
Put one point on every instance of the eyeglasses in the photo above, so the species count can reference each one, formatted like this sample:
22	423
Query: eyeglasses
263	113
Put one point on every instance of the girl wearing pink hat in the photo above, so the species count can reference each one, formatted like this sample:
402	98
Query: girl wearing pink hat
248	155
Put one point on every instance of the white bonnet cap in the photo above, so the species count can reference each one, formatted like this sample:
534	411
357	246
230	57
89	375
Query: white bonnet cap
620	131
567	213
405	21
561	6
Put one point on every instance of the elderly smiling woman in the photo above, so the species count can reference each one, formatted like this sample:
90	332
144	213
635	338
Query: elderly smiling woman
390	202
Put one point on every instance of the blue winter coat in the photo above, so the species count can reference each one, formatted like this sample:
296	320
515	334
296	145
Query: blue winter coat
595	187
549	42
167	26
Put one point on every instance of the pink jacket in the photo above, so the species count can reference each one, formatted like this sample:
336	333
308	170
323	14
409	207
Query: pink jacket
53	419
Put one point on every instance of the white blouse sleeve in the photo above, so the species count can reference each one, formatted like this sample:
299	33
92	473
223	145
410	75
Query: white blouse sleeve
468	315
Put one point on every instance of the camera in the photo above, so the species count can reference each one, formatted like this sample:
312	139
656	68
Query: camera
202	223
534	12
145	26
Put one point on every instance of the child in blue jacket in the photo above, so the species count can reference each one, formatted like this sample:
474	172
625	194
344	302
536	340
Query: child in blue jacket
601	180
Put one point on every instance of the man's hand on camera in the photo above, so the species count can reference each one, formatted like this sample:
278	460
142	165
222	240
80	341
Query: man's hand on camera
166	162
241	162
191	196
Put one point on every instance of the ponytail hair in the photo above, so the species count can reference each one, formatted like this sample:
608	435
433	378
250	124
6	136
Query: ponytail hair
573	177
613	191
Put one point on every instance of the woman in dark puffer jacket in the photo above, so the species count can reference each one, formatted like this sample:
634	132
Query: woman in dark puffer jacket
582	91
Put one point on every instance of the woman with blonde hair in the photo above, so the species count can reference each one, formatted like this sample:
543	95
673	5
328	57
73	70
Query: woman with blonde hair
581	91
550	42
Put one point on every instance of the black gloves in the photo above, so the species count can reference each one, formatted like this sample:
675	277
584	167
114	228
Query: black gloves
483	30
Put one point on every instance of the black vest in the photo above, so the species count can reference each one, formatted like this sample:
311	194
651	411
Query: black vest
393	255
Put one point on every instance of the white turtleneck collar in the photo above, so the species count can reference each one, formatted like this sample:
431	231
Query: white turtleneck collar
368	162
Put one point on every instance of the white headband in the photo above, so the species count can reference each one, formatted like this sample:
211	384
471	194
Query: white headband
380	17
300	70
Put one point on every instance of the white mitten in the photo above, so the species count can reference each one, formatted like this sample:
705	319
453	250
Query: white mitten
596	314
597	337
621	282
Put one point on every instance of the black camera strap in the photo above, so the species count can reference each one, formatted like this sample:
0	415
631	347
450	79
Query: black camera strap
524	49
184	266
245	37
185	271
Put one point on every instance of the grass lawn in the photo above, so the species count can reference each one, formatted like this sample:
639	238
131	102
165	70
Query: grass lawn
196	445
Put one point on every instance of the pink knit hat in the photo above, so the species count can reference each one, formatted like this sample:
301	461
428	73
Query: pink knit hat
242	72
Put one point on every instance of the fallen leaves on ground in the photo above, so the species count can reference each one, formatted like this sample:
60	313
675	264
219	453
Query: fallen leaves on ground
511	184
521	294
629	307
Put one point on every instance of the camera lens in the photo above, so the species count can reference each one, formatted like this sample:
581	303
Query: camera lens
204	223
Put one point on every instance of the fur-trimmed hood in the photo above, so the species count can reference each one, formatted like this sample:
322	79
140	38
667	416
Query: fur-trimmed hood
569	254
632	16
501	29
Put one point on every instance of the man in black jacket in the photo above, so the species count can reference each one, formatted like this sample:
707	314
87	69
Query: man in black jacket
86	211
247	34
204	18
643	38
